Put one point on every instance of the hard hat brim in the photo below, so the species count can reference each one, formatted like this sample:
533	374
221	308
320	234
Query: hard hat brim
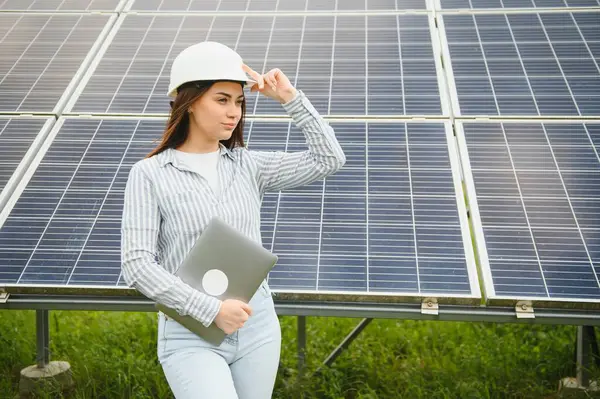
245	82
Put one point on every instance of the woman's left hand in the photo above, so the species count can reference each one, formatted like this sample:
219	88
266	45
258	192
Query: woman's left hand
274	84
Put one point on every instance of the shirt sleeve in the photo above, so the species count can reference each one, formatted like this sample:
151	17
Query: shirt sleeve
279	170
141	270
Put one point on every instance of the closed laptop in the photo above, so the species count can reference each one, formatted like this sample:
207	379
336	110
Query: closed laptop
225	264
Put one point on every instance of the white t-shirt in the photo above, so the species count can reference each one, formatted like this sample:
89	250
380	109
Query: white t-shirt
205	164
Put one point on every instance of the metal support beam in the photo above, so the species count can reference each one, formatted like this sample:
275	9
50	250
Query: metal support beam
301	346
492	314
345	343
586	354
43	338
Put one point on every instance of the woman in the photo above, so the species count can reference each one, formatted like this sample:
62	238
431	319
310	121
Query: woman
199	170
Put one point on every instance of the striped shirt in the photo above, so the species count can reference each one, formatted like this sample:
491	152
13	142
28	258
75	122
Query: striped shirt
167	206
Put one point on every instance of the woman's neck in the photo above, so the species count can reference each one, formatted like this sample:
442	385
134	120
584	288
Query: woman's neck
194	144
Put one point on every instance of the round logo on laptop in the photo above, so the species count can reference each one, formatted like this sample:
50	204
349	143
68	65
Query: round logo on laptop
215	282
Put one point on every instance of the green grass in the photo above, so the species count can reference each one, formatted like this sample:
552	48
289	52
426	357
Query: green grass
113	355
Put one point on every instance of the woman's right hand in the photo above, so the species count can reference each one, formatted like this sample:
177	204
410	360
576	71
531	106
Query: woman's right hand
232	315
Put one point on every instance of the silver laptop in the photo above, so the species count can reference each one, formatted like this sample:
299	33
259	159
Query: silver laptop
223	263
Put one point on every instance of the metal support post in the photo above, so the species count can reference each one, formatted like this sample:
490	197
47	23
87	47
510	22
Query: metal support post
586	354
45	376
43	338
301	345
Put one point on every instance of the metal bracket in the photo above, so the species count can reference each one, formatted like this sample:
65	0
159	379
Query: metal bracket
4	296
430	306
524	310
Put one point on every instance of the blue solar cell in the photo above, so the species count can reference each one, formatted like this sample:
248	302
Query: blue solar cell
299	208
530	279
97	268
344	209
453	281
291	240
338	273
17	135
295	271
592	240
502	212
390	209
346	181
587	212
388	182
435	210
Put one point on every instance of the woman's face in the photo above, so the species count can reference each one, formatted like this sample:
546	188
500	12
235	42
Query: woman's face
217	112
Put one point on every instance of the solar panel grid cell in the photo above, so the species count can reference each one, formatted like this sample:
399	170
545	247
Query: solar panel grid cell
41	55
537	197
60	5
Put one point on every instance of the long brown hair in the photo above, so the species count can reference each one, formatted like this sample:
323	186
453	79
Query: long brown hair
177	128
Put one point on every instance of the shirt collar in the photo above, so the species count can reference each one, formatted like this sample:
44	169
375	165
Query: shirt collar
168	155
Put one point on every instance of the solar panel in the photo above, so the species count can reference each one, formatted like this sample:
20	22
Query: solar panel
19	139
518	4
61	5
387	224
222	6
43	56
347	65
534	189
526	64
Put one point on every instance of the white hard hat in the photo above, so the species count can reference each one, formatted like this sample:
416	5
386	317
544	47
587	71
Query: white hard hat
206	61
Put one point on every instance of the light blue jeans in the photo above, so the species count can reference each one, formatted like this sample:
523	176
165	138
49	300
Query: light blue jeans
244	366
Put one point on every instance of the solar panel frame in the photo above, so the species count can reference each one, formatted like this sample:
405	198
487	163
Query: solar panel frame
481	245
523	73
74	81
40	136
39	7
73	107
473	297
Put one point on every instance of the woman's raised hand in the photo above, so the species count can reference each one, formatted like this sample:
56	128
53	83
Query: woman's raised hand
274	84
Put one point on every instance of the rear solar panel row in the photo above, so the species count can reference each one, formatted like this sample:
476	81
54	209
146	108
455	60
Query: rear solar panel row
545	64
276	5
280	5
518	4
348	65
